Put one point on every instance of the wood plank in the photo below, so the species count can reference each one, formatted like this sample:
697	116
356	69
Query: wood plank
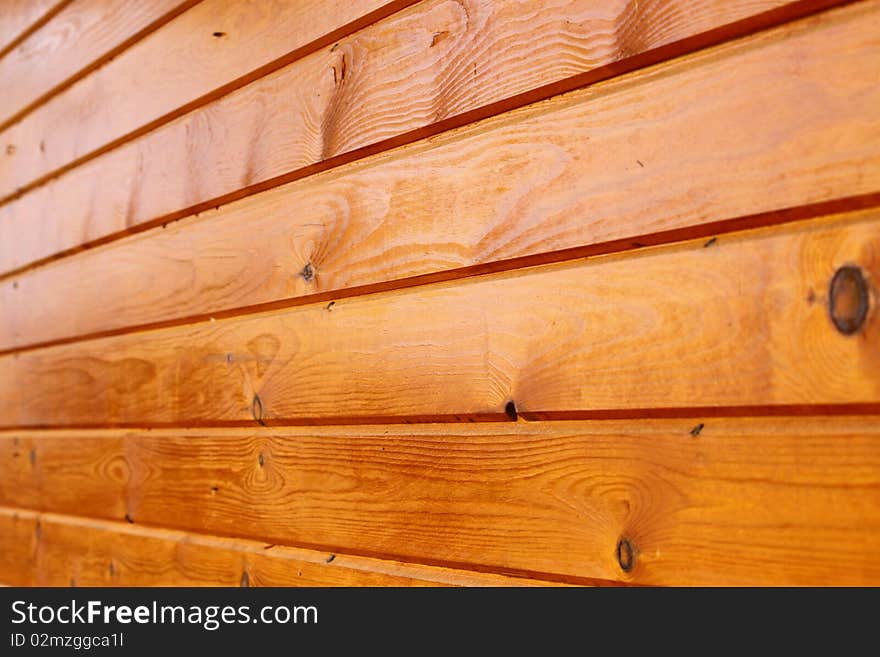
740	321
564	175
84	35
173	70
42	549
398	87
20	17
702	501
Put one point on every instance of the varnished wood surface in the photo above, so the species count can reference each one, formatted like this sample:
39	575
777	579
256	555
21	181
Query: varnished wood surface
618	161
397	85
699	500
741	320
499	341
172	70
40	549
81	37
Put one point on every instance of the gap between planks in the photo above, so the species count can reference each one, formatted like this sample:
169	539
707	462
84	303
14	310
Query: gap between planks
398	572
98	62
33	27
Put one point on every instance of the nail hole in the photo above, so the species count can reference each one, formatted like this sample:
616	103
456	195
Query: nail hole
510	410
848	299
697	429
129	519
625	555
219	34
261	460
330	558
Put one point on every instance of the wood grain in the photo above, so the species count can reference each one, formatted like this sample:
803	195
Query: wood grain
173	70
398	87
702	501
577	171
81	37
40	549
739	321
20	17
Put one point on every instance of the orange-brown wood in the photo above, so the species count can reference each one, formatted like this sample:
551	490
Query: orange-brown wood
216	46
81	37
19	18
54	550
741	320
402	79
579	170
699	500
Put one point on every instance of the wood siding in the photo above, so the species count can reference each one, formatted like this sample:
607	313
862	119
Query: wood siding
473	292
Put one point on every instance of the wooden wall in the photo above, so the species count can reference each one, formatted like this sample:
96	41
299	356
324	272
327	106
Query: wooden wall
468	292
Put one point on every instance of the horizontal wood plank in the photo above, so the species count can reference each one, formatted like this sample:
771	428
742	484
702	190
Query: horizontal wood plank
404	79
21	17
172	70
40	549
700	501
85	34
741	320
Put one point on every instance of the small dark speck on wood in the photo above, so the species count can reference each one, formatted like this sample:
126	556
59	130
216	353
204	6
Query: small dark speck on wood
641	164
261	459
245	580
129	519
335	46
330	558
710	242
697	429
308	272
219	34
14	285
510	410
33	456
330	305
